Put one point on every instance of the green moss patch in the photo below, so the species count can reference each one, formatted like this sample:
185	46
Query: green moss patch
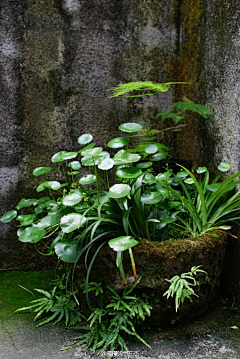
12	292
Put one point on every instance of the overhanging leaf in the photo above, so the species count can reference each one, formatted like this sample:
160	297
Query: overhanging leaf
75	165
118	142
130	127
106	164
129	172
25	219
63	155
8	216
85	138
72	199
71	222
23	203
224	166
87	179
55	185
119	190
38	171
32	235
122	243
92	151
151	197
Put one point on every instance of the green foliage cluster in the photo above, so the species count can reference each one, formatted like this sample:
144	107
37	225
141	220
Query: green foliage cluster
85	210
110	325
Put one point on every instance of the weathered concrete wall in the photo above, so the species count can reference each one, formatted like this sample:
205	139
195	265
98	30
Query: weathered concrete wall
219	80
57	59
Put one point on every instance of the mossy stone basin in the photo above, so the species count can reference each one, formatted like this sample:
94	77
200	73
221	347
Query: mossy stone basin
158	261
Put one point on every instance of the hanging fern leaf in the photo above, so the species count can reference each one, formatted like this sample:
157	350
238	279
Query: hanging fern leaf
122	89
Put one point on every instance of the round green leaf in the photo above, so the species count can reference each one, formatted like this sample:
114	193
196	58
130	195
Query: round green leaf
165	221
106	164
71	222
38	171
50	220
130	127
90	145
122	243
8	216
32	235
92	151
23	203
144	164
213	187
201	170
149	178
189	181
55	185
118	142
182	175
87	179
151	197
158	156
75	165
151	149
67	251
72	199
105	154
85	138
224	166
25	219
91	161
119	190
63	155
129	172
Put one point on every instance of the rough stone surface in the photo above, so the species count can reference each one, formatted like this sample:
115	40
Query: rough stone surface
57	60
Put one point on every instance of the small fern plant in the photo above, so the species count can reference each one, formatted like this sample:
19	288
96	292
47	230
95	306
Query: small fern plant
181	286
58	303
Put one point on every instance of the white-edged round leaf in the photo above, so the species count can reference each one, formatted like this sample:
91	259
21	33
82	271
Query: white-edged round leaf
151	149
75	165
92	151
118	142
201	170
87	179
63	155
106	164
71	222
119	190
151	197
122	243
55	185
85	138
130	127
224	166
72	199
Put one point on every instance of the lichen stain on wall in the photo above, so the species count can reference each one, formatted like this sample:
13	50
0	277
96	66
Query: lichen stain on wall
184	67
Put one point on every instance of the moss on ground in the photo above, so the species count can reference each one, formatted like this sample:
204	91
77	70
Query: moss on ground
12	294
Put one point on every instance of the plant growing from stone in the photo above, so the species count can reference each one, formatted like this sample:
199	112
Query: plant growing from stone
182	286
